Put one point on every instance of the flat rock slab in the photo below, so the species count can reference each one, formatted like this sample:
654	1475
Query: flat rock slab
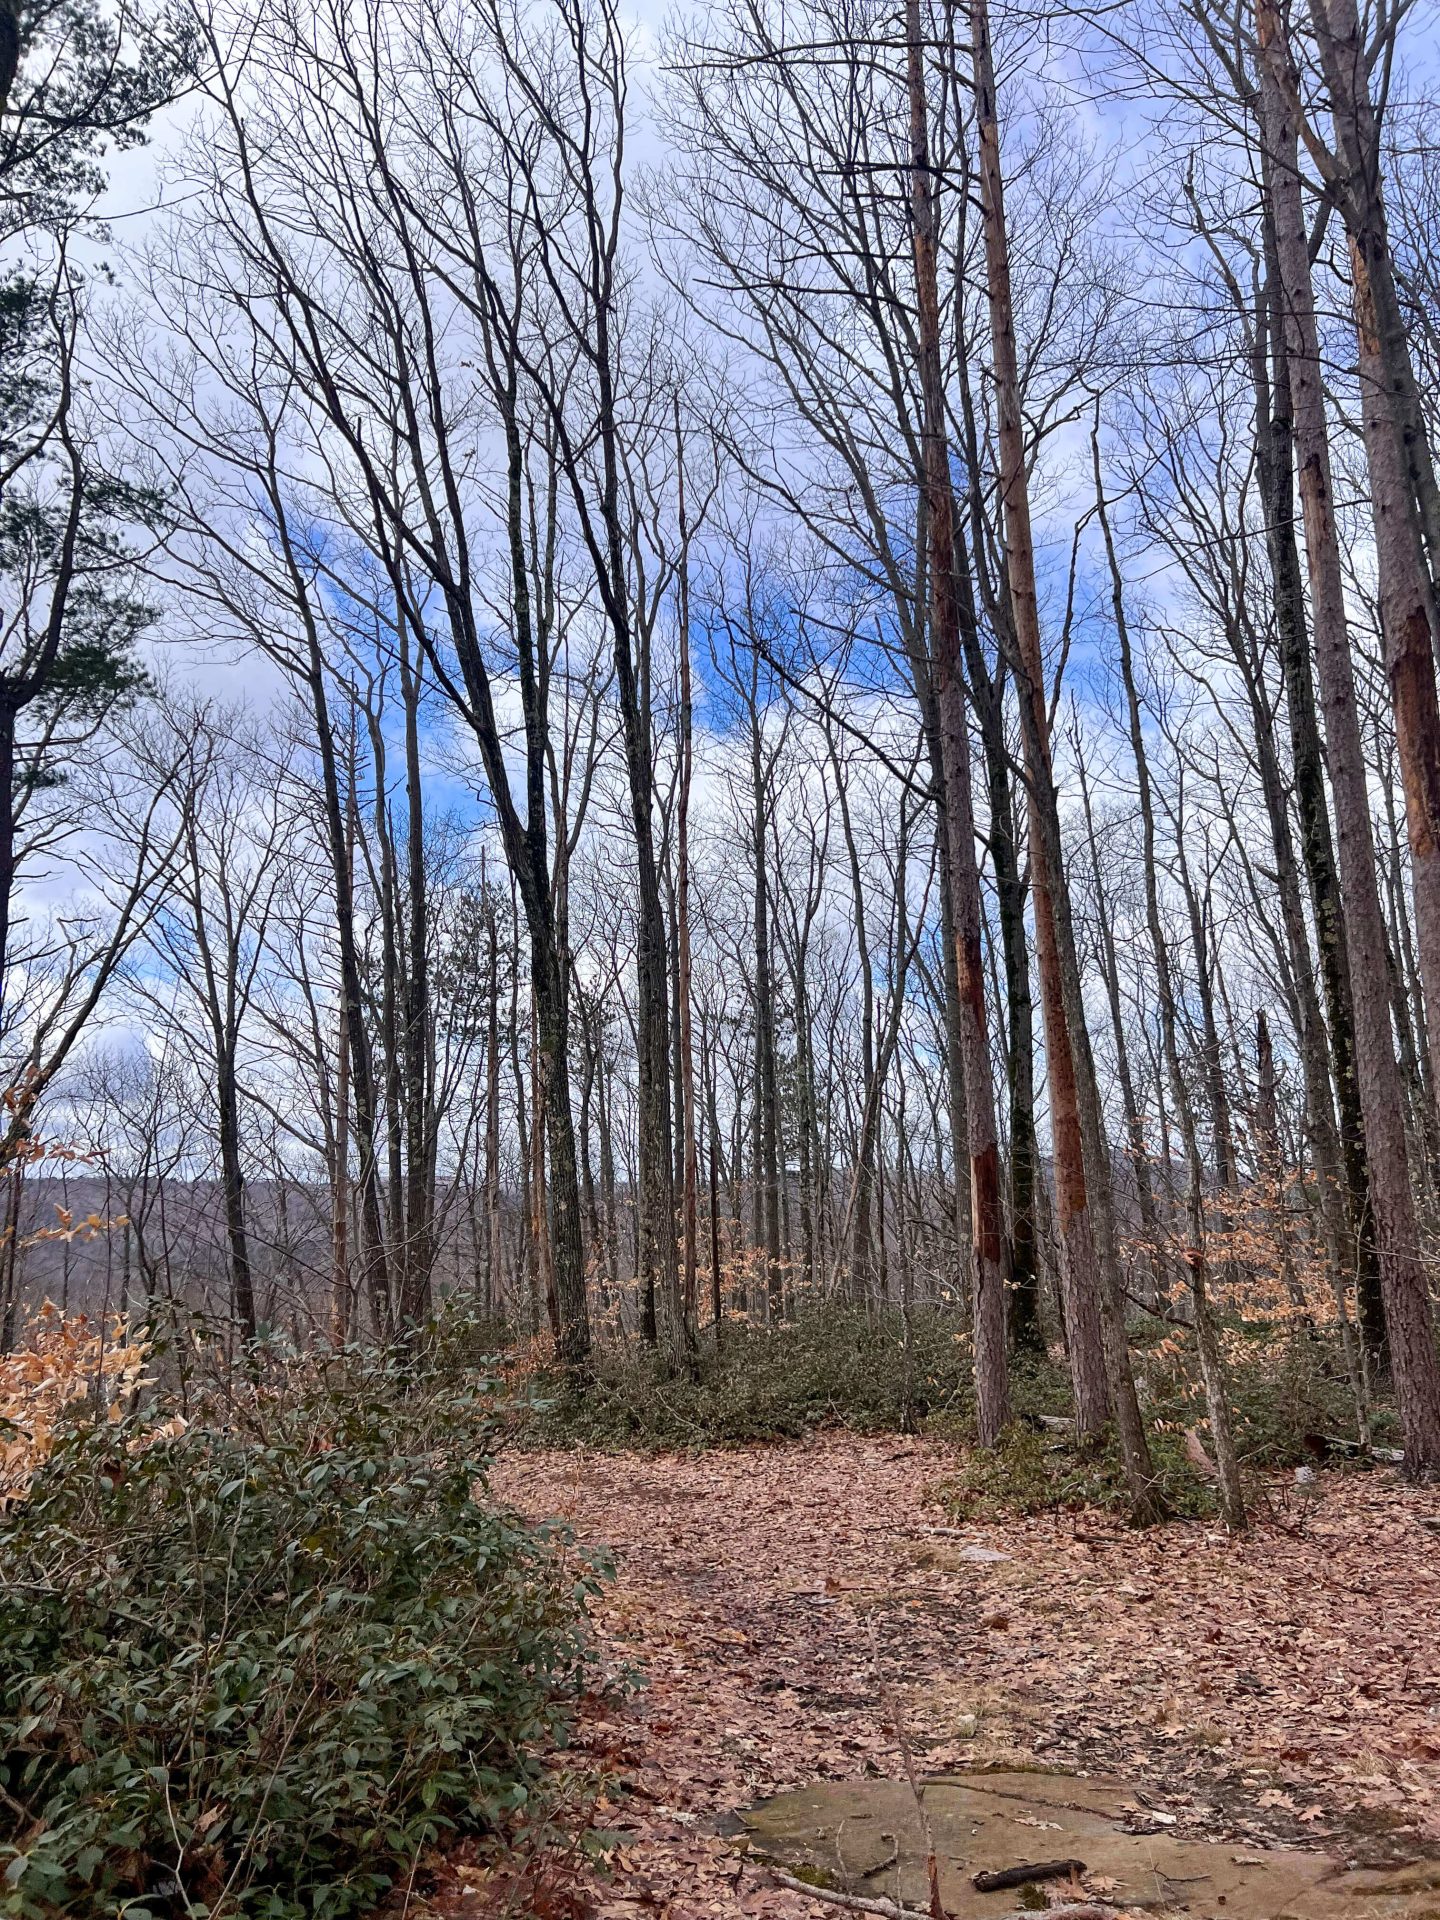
864	1836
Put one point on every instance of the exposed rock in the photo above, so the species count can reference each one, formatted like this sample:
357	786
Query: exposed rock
865	1836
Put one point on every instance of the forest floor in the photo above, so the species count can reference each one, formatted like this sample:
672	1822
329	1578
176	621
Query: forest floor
795	1612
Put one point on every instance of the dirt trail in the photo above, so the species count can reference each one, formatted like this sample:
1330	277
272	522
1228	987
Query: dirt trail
785	1602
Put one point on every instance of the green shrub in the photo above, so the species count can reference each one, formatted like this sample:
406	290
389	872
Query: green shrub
260	1676
1289	1397
1043	1472
832	1366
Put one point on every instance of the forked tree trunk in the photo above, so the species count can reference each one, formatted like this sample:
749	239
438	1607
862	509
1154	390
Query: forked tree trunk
1079	1268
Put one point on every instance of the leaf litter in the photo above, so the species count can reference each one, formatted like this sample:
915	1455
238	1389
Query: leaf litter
783	1606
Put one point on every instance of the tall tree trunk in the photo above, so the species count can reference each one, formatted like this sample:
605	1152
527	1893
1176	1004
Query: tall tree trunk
1099	1360
340	831
923	679
659	1263
1134	1118
989	1252
1217	1099
526	855
1403	1277
610	1216
708	1073
7	842
988	699
416	1038
232	1180
766	1092
1270	1166
860	1234
689	1207
589	1197
1206	1338
494	1242
340	1190
957	1111
1275	449
805	1123
539	1201
389	1024
1402	480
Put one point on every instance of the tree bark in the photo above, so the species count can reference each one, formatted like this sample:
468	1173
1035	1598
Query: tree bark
1275	461
1402	481
1403	1278
494	1242
1080	1273
1206	1338
989	1254
767	1170
689	1209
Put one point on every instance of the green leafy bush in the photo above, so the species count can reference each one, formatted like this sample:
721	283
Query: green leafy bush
1042	1472
832	1366
259	1675
1289	1395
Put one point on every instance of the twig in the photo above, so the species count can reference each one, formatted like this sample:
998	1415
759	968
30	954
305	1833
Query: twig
1086	1910
889	1910
891	1705
859	1902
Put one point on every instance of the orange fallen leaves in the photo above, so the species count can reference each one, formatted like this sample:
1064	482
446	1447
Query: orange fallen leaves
774	1597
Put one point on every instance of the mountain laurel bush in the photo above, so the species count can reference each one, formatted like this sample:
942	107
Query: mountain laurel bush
258	1674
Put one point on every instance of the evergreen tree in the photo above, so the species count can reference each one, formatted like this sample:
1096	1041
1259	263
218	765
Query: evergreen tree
78	82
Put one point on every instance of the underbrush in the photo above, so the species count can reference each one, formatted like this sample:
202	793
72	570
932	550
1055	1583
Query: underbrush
260	1669
1290	1398
1042	1472
831	1367
1290	1405
840	1367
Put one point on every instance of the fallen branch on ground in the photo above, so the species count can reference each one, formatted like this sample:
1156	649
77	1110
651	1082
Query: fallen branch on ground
1026	1874
858	1902
1087	1910
891	1910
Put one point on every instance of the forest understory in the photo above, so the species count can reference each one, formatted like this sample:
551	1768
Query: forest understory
782	1615
719	959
